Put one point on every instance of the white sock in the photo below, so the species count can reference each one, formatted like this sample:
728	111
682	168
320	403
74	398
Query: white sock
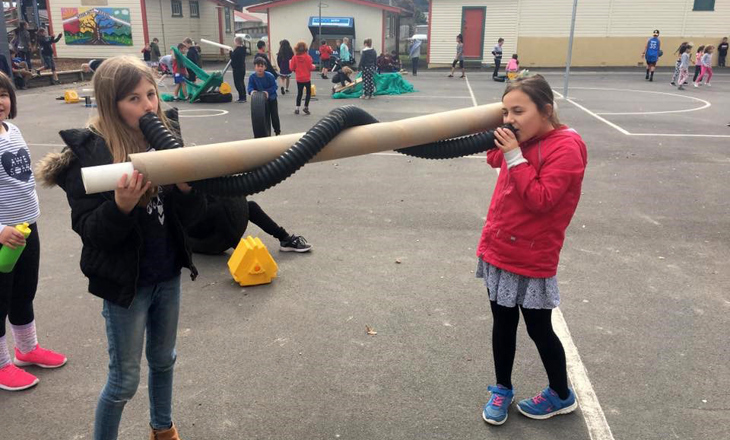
25	336
4	352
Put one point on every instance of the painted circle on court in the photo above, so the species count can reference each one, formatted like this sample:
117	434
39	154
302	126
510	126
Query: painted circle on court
201	112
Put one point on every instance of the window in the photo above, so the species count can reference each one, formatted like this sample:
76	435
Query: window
228	20
194	9
176	8
704	5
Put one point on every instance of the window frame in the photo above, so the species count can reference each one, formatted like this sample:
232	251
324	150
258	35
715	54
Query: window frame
227	17
194	13
172	7
703	5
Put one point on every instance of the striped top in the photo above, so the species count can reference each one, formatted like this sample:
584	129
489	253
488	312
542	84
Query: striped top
18	199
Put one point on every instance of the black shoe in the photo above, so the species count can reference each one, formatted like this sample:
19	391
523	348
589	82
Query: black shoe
295	243
306	110
282	91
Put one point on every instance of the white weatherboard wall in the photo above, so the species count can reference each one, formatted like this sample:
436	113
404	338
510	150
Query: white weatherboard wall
173	30
82	51
290	22
500	22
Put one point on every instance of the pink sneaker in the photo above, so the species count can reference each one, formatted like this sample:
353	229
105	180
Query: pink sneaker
13	378
41	357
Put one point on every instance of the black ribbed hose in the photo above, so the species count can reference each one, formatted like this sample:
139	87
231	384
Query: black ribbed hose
307	147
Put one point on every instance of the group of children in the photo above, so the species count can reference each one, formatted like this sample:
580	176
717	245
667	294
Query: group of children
702	62
134	242
513	66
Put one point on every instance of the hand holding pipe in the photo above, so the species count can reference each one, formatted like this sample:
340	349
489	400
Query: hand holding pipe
209	161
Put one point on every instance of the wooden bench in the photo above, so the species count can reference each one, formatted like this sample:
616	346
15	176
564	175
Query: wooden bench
66	77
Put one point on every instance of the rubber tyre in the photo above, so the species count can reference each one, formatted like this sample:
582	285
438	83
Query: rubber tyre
260	117
214	98
224	224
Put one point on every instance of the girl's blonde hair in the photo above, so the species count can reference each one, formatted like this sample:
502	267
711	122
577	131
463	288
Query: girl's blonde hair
347	70
113	81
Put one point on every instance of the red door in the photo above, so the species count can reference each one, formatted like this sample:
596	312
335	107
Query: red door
472	29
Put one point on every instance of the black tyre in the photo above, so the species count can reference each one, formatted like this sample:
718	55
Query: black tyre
214	98
224	224
260	117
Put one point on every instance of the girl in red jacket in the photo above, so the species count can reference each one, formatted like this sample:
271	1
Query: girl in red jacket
537	192
302	65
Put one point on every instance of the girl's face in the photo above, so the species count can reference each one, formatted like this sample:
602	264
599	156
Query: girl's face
519	110
142	100
5	104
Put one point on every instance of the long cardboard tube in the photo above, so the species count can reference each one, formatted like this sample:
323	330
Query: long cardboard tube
214	160
213	43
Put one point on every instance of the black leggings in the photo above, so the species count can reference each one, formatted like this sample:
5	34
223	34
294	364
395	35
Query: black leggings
300	88
698	69
239	76
258	217
540	329
17	288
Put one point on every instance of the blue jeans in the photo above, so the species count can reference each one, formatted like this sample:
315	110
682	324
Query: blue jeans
155	309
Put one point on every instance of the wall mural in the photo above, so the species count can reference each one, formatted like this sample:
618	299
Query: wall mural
97	26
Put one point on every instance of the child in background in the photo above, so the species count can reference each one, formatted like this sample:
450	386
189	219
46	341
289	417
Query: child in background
261	46
513	67
134	242
680	50
698	62
179	73
684	65
264	82
194	56
146	53
46	44
238	64
325	53
722	52
19	204
345	56
342	77
706	66
302	65
368	60
536	194
652	52
155	50
459	58
282	60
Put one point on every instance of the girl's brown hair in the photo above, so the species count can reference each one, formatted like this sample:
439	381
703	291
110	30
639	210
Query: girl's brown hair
113	81
347	70
7	85
709	49
368	42
301	48
539	92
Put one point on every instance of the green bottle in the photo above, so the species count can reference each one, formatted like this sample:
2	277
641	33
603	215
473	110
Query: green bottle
8	257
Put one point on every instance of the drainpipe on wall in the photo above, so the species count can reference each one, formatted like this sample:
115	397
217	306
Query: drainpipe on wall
162	24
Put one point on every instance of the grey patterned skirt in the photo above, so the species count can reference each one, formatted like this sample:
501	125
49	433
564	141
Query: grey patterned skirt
509	289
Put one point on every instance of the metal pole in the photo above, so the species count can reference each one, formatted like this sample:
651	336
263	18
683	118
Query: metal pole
4	48
36	18
570	50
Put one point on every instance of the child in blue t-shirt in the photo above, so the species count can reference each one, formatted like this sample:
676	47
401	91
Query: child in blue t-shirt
262	81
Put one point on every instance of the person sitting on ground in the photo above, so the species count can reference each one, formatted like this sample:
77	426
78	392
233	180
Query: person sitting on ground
384	63
91	66
21	73
46	44
342	77
396	60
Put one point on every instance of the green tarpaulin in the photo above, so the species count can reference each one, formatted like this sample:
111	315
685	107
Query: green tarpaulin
385	84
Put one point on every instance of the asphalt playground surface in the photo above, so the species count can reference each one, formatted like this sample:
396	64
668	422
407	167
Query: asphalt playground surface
643	276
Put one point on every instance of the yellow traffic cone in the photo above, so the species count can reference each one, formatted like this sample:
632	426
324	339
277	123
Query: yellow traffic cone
251	264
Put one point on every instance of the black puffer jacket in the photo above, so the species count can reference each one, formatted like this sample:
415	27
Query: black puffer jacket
112	240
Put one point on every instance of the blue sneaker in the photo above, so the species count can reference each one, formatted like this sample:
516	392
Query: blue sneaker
547	404
495	411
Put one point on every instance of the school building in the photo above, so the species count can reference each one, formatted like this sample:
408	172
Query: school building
106	28
607	32
298	20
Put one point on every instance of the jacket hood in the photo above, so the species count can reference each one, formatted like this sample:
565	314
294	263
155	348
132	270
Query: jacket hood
83	145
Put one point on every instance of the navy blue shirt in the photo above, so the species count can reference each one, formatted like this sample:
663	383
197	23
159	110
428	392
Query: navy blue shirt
266	83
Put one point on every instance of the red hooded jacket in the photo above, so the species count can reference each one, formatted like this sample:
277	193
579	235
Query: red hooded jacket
533	204
302	65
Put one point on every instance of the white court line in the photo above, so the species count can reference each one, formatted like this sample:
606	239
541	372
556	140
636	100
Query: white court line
598	428
590	407
473	99
705	105
627	133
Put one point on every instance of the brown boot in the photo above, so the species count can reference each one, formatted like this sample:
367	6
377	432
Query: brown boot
166	434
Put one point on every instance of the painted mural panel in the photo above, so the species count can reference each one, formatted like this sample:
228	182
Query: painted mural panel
97	26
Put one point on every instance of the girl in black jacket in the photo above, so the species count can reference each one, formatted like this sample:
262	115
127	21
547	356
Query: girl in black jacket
367	65
134	241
